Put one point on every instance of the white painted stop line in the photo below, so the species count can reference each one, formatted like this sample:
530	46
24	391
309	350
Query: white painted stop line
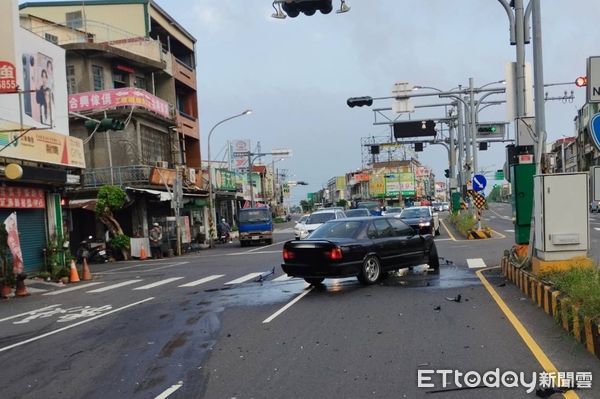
475	263
247	277
156	284
202	280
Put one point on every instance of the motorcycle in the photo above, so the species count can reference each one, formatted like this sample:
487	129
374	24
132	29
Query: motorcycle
93	251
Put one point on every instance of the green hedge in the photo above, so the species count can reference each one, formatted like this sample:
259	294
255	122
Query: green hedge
463	221
581	285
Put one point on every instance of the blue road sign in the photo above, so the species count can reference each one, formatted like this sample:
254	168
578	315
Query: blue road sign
595	128
479	182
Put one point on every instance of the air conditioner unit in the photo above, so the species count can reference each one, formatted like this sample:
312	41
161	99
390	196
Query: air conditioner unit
162	164
192	175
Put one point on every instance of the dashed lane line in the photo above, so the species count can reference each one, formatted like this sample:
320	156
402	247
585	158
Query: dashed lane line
247	277
169	391
202	280
157	283
287	306
112	287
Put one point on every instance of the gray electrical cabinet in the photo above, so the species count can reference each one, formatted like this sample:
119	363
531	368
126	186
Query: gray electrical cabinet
561	215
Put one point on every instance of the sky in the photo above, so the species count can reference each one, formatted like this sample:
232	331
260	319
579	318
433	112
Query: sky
296	74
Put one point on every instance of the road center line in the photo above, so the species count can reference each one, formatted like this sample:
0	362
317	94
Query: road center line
170	391
447	230
539	354
286	307
30	312
73	325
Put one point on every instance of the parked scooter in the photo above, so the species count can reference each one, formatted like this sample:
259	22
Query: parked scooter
95	252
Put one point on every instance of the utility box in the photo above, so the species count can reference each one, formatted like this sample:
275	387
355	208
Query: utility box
521	177
561	216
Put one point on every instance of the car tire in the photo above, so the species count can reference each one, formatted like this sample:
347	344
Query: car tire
370	270
434	260
314	280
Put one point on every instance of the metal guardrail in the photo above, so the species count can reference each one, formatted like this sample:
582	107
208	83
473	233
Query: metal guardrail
119	176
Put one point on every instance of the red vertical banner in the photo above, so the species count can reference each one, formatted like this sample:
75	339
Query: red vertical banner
14	243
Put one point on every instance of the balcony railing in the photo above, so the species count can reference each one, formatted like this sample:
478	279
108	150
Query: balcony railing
101	33
118	175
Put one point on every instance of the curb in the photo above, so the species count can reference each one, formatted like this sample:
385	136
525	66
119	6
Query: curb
585	330
478	234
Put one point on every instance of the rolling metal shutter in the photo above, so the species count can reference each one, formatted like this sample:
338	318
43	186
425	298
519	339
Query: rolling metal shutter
32	236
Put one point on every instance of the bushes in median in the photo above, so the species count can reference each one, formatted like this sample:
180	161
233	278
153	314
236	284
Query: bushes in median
463	221
581	285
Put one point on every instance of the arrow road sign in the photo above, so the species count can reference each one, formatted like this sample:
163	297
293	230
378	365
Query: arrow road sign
479	182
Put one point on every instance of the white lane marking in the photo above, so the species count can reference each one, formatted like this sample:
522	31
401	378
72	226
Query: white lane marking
243	278
475	263
283	277
73	325
118	285
156	284
29	313
597	228
170	390
77	287
33	290
266	246
509	231
283	309
202	280
116	271
444	239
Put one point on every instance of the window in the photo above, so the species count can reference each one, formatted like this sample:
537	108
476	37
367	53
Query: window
156	145
140	82
120	79
401	229
383	228
51	38
74	20
98	77
71	83
371	231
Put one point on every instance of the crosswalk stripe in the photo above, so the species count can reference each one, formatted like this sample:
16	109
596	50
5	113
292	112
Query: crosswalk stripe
111	287
202	280
283	277
157	283
475	263
597	228
247	277
509	231
77	287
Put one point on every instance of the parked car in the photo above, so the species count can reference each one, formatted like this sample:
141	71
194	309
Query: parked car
300	226
595	206
422	218
394	211
358	212
437	206
366	247
255	225
318	218
445	206
372	206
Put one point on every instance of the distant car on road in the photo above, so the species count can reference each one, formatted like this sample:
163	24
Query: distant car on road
437	206
299	226
422	219
372	206
393	211
445	206
595	206
318	218
358	212
365	247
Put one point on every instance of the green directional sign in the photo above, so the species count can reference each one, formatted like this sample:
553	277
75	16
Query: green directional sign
499	175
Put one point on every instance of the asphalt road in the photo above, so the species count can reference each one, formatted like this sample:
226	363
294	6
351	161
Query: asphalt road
204	326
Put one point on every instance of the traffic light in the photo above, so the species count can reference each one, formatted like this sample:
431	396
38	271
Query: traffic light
293	8
360	101
483	146
418	147
581	81
104	124
447	173
414	129
374	150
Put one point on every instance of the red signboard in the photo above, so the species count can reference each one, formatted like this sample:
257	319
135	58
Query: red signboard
8	77
22	197
360	177
125	97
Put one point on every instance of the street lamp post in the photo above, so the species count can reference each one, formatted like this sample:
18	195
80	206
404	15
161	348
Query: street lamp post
211	210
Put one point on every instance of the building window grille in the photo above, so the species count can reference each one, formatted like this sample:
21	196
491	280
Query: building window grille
71	82
74	20
98	77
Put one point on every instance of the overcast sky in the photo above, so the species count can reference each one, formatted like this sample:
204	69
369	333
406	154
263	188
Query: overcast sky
296	74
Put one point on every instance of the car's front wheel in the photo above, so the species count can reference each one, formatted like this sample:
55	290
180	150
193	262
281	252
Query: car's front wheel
371	270
314	280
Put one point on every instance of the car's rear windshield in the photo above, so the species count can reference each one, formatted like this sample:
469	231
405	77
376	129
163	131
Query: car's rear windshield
415	213
394	210
320	217
337	229
352	213
372	206
254	215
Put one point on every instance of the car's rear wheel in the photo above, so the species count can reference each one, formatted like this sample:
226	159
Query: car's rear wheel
434	260
314	280
371	270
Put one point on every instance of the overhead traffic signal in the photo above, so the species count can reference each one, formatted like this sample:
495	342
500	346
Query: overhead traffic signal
414	129
487	129
104	124
581	81
360	101
447	173
293	8
483	146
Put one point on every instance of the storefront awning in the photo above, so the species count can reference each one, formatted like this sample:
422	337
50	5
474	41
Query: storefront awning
163	195
87	204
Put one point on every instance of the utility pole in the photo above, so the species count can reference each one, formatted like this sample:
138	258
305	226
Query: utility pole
473	127
461	145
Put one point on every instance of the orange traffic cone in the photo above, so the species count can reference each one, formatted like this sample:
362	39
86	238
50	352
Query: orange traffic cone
85	271
74	277
143	255
21	290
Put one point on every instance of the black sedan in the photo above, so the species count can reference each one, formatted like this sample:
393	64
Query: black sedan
366	247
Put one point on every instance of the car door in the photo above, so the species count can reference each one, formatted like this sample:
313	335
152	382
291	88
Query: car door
386	243
408	243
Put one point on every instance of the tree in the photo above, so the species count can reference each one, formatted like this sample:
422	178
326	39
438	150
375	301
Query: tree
307	206
111	199
343	203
